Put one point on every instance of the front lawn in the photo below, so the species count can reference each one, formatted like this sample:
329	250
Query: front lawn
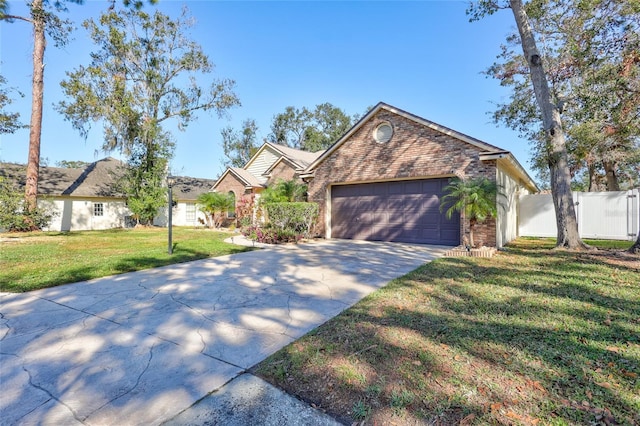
36	260
531	336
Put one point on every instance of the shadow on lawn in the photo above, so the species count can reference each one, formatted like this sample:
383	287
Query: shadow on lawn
467	341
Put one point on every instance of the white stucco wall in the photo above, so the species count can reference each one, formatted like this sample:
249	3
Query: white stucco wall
507	222
72	214
179	216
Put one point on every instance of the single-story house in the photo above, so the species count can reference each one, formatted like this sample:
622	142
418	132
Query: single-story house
383	180
85	198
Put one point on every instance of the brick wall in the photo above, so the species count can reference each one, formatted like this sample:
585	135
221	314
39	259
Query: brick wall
283	171
414	151
231	183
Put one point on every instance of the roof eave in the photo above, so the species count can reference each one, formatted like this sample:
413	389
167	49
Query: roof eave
509	158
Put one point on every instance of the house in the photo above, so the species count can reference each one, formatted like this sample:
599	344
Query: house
272	162
85	198
384	178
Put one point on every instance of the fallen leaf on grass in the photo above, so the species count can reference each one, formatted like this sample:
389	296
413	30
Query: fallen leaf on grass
467	420
496	406
629	374
613	349
604	385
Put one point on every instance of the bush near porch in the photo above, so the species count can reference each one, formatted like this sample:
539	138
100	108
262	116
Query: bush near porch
284	222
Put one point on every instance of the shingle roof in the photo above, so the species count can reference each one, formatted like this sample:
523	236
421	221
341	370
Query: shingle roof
95	180
189	188
302	158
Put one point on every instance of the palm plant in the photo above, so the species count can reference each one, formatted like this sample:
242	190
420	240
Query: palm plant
215	205
284	191
475	198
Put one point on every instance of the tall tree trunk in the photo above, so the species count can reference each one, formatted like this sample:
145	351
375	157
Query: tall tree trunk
33	163
635	248
611	176
568	235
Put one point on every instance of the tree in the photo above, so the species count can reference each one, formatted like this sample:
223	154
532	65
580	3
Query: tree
475	198
145	73
310	130
552	133
44	21
239	147
284	191
9	121
215	205
592	61
72	164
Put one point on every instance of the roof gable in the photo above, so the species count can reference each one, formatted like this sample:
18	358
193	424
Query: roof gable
485	147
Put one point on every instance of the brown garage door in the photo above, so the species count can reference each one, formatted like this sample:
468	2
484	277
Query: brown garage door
403	211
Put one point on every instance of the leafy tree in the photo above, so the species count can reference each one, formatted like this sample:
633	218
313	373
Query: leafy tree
284	191
143	180
310	130
591	57
9	121
45	21
71	164
43	17
215	206
239	147
145	73
14	216
475	198
551	132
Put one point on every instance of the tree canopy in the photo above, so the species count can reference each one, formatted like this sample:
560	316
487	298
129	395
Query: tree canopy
144	74
9	121
591	55
310	130
239	146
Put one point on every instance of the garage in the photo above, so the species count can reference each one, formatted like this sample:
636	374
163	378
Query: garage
401	211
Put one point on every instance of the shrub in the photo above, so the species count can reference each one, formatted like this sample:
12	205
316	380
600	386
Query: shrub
14	217
287	222
296	217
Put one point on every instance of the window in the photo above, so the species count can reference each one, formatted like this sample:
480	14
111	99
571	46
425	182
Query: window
231	213
98	209
383	133
191	212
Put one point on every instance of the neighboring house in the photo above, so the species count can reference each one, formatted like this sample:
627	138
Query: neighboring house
384	178
85	199
272	162
186	212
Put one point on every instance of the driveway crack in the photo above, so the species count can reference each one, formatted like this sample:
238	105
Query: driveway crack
136	384
51	396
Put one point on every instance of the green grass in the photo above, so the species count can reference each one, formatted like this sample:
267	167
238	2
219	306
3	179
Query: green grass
531	336
44	259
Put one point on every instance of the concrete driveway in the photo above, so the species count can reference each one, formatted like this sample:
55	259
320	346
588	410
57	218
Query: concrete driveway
142	347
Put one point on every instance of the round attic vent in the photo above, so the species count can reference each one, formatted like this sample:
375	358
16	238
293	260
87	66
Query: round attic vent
383	133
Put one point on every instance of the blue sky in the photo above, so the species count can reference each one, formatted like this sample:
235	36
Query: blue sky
420	56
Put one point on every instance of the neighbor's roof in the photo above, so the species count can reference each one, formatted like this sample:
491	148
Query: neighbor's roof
94	180
189	188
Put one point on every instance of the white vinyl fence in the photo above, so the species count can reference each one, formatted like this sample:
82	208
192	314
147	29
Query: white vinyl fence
602	215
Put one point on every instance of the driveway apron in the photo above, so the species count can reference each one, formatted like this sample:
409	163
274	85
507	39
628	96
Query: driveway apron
141	347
